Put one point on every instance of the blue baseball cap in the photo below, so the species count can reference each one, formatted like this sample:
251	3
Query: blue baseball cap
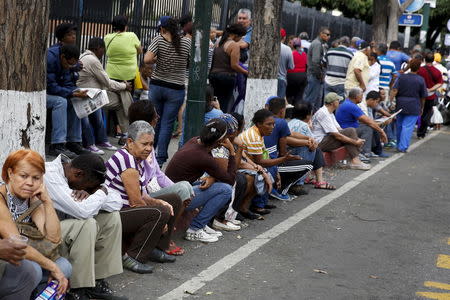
270	98
163	22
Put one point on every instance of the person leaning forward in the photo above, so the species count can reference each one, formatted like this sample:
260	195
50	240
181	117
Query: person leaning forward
91	227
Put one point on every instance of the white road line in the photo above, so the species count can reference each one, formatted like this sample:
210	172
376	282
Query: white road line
246	250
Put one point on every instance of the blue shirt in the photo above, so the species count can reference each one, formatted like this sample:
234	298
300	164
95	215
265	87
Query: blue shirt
397	57
411	88
248	36
348	113
387	70
271	141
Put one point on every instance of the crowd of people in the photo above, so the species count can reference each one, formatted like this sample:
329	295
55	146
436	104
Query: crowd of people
96	218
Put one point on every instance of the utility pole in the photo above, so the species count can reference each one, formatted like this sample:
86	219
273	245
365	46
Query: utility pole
198	71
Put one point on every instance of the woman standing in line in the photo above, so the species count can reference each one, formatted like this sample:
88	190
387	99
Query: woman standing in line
170	52
296	77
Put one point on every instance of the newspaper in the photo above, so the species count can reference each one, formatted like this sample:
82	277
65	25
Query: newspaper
384	119
97	98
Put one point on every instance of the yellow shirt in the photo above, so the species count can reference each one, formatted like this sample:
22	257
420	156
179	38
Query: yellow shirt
253	141
121	50
359	61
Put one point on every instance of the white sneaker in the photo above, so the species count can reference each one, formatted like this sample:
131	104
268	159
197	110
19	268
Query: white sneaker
200	236
362	166
212	232
236	222
94	149
227	227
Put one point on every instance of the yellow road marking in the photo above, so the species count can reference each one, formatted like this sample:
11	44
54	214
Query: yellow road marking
438	285
443	261
438	296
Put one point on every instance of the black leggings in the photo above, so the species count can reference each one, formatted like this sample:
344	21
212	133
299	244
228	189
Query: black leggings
223	85
296	84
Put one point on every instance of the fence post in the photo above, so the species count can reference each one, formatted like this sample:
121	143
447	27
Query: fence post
185	7
79	21
224	14
137	17
195	106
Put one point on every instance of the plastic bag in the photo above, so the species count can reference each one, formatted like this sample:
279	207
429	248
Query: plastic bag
437	116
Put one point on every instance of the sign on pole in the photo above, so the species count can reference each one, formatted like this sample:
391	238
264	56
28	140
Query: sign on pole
413	7
414	20
431	2
447	39
448	24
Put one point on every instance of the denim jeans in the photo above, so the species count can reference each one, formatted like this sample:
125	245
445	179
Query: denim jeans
338	89
63	264
366	133
314	92
167	102
261	200
211	200
58	105
405	128
281	90
73	123
391	131
93	129
18	282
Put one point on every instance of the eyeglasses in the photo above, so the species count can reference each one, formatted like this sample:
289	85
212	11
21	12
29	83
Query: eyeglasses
327	34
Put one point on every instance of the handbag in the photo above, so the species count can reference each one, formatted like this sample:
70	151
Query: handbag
35	237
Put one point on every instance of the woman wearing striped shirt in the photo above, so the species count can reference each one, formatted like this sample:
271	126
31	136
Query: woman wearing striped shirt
170	52
147	222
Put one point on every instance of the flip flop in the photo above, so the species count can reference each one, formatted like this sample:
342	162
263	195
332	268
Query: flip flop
175	250
309	180
324	186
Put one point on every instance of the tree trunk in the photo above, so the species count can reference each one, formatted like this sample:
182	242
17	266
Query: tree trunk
264	55
379	20
394	11
23	34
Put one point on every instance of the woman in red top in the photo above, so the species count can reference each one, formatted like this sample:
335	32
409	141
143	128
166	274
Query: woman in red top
296	77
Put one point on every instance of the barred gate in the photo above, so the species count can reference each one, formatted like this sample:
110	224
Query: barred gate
93	17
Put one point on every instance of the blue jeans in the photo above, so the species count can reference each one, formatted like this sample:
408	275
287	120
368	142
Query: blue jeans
167	102
58	105
63	264
391	131
405	128
73	124
338	89
314	92
94	131
261	200
281	90
18	282
211	200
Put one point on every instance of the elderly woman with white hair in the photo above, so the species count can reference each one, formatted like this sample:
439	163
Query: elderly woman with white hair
147	219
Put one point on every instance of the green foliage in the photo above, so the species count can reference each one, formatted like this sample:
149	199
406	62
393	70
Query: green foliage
360	9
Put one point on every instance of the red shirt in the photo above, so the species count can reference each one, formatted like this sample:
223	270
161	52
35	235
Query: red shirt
432	77
300	61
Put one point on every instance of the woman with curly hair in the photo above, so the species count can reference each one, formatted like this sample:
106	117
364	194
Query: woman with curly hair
170	52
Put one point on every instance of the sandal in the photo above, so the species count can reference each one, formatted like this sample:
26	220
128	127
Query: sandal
174	250
324	186
309	180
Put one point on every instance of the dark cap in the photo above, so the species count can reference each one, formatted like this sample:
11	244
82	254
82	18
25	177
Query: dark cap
163	22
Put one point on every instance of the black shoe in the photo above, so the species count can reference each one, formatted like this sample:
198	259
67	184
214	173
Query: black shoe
58	149
103	291
251	216
160	256
77	294
133	265
270	206
259	210
76	148
297	190
240	217
122	141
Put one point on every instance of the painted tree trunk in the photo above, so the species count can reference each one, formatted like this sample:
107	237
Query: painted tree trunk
23	35
379	20
264	55
394	11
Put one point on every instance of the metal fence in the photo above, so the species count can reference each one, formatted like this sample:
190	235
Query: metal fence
93	17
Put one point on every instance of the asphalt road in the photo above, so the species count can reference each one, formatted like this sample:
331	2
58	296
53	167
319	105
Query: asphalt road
385	234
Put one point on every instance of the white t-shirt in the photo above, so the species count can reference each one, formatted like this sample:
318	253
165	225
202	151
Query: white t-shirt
323	122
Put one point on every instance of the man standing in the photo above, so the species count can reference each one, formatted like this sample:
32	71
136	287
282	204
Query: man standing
245	18
396	55
388	72
337	60
358	69
91	227
316	72
286	62
433	81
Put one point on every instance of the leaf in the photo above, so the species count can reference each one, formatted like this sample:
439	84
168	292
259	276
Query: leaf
209	293
373	277
320	271
189	292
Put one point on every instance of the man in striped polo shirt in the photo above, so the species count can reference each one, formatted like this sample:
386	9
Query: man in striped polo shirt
337	60
388	72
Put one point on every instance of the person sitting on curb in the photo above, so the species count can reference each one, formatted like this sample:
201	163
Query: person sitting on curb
301	118
330	136
90	223
147	222
349	114
211	193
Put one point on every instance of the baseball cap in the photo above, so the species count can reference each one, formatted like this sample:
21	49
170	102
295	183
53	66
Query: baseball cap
361	44
270	98
163	22
283	32
331	97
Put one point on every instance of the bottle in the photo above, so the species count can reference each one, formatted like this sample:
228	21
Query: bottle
50	292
